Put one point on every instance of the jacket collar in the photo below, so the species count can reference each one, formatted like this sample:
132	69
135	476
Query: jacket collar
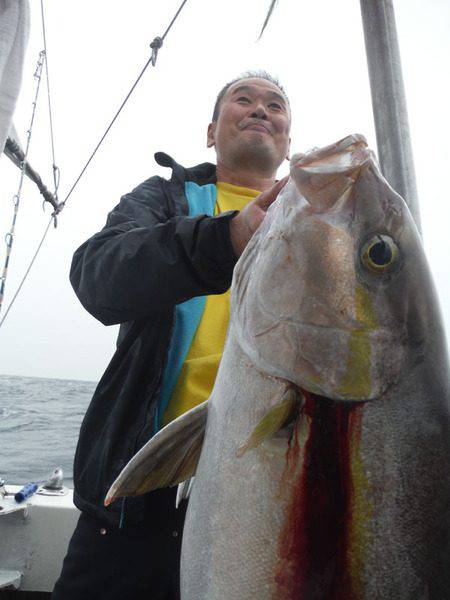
200	174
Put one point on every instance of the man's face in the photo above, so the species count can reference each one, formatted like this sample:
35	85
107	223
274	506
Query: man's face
252	130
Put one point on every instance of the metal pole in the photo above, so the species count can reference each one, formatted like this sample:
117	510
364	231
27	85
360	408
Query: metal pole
388	100
15	153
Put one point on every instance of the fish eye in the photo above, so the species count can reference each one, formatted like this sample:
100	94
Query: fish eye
379	253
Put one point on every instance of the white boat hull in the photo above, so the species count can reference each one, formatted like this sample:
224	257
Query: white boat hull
34	539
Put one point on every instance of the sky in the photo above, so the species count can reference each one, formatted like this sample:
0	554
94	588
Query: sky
95	52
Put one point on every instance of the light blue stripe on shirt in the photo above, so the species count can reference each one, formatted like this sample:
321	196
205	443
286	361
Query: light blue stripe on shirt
202	201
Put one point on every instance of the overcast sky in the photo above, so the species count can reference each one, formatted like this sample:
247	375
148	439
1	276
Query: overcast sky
95	51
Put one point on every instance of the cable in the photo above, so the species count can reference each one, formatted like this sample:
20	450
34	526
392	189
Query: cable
9	238
269	14
27	271
105	134
173	20
155	45
56	173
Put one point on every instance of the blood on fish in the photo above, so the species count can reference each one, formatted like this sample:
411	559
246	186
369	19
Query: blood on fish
314	544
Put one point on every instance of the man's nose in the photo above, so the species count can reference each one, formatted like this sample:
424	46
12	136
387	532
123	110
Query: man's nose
259	112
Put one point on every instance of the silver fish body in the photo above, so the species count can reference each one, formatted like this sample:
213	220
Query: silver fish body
346	495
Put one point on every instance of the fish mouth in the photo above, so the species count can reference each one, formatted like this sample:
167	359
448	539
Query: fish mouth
313	397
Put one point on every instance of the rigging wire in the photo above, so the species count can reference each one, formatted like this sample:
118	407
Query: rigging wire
27	271
9	238
173	20
269	14
56	173
155	46
63	203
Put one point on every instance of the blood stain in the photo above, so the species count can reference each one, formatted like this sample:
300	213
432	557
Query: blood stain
313	547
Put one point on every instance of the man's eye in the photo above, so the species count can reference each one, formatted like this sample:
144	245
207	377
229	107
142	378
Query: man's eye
275	105
243	99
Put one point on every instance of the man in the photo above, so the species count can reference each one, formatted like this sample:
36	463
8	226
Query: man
161	267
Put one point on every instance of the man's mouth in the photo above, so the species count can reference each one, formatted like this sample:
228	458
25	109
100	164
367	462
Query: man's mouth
258	127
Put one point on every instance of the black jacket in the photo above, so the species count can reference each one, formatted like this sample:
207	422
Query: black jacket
149	257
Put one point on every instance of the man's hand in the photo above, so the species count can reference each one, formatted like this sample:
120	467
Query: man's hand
244	225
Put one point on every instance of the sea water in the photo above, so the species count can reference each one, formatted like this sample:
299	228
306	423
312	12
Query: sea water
39	424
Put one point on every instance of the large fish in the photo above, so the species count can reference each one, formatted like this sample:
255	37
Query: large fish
325	468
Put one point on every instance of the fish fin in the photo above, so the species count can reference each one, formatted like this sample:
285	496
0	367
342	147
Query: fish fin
170	457
184	490
269	14
276	418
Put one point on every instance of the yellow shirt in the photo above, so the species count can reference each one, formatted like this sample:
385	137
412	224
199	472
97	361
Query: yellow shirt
199	370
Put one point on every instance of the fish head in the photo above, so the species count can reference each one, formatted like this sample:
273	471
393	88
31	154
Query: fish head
329	293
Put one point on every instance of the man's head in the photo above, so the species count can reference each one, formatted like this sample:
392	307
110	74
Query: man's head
251	124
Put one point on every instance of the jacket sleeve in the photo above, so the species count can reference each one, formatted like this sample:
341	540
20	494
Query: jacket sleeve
145	260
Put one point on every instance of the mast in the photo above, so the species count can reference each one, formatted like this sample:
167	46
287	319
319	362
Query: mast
389	101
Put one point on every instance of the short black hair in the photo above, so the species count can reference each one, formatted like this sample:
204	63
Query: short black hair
246	75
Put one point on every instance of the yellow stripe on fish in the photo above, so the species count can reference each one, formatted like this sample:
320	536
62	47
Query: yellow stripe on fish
357	381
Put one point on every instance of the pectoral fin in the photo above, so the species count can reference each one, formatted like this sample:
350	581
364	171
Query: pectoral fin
169	458
276	418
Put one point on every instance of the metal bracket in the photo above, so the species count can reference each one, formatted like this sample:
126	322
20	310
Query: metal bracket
43	491
155	46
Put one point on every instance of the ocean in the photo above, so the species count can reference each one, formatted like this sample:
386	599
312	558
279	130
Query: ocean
39	424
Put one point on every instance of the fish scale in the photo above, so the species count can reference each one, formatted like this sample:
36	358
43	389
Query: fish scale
235	512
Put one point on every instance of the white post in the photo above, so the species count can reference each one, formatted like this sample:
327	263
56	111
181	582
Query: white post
388	100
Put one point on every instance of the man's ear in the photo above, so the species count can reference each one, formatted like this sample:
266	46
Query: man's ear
210	141
288	155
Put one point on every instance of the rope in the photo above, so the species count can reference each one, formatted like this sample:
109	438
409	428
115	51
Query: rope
56	173
155	45
9	238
